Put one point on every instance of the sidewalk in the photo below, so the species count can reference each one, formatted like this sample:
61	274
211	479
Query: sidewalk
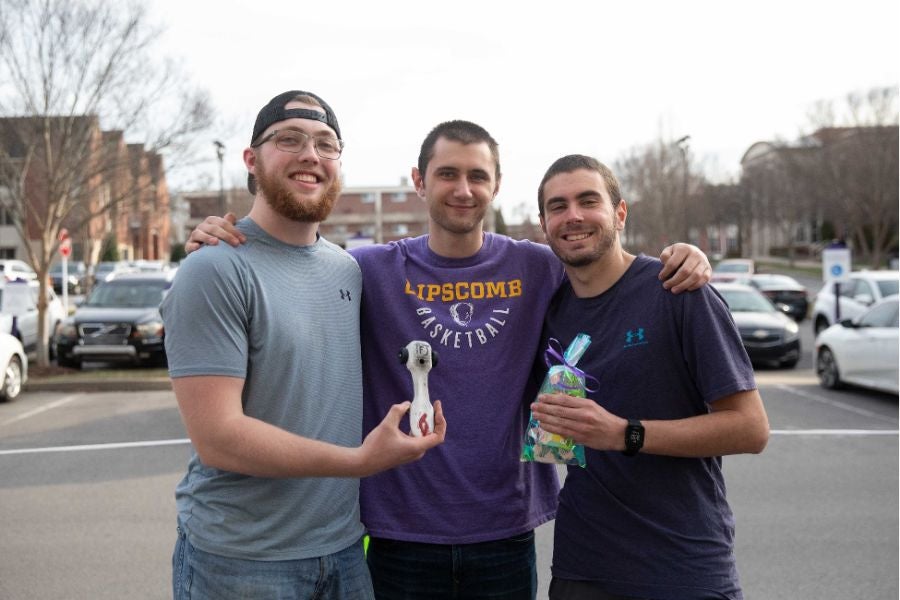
57	379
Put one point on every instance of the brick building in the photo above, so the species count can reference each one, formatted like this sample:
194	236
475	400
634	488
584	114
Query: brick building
122	185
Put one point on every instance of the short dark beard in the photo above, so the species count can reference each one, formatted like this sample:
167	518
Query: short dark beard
283	201
606	242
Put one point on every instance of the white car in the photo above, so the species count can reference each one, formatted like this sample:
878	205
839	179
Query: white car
109	270
11	269
735	270
27	324
857	293
13	367
861	351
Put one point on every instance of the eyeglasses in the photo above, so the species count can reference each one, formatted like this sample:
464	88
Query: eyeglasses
293	141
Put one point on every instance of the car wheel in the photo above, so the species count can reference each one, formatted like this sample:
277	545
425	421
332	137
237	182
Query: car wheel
821	324
51	343
827	370
11	385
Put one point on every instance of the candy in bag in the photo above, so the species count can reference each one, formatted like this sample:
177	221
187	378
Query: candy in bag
563	377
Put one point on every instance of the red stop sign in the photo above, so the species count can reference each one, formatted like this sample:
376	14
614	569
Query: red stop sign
65	248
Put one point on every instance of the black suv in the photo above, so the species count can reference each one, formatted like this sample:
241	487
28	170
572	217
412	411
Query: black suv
119	321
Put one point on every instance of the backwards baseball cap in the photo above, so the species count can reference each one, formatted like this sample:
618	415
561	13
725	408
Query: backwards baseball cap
274	111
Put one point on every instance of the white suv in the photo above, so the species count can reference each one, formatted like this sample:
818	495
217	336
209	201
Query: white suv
12	269
861	290
27	324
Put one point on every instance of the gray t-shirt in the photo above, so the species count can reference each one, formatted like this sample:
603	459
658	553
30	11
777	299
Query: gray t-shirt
286	320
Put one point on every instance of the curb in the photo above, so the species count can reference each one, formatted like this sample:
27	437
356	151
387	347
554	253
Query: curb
97	385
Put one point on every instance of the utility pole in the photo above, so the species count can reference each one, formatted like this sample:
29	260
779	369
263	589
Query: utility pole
682	144
220	154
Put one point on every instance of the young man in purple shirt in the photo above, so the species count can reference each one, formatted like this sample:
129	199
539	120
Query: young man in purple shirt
647	517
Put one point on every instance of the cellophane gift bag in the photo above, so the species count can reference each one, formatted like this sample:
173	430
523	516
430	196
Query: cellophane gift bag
563	377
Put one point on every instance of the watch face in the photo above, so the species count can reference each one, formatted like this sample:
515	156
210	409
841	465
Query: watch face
634	437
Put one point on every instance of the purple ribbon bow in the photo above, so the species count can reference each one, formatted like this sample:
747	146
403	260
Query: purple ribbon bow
554	351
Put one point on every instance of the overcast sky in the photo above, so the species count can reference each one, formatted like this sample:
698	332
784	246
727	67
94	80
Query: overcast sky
545	78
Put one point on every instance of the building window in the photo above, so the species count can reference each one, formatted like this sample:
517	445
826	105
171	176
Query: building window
398	197
401	229
368	198
6	217
7	253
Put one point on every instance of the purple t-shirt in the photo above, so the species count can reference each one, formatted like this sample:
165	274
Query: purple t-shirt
650	526
482	315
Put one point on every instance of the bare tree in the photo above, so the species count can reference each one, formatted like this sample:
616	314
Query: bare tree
723	205
776	188
72	71
855	171
660	185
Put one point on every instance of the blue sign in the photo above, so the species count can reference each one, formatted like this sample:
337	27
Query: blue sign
835	264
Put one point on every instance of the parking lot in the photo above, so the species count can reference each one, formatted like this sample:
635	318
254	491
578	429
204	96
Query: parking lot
88	505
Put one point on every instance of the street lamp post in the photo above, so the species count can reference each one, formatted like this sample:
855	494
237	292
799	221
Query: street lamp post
220	154
682	144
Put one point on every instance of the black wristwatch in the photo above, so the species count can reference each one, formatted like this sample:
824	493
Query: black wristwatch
634	437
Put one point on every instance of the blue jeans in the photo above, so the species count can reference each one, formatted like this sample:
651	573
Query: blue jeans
497	570
199	575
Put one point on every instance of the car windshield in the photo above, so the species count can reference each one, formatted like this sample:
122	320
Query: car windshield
131	294
888	287
746	301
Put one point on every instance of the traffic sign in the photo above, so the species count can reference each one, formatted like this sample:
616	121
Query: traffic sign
835	264
65	248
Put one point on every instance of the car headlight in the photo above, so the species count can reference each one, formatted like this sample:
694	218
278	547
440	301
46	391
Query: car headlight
792	331
66	331
149	332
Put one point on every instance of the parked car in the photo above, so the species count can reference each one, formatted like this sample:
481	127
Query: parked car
75	274
108	270
149	266
732	269
12	269
861	351
860	291
769	335
27	324
13	367
119	321
781	289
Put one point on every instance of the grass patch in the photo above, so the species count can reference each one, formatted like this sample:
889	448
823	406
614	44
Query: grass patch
55	373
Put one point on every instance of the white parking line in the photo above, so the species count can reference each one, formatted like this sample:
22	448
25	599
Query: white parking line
40	409
174	442
112	446
844	432
836	404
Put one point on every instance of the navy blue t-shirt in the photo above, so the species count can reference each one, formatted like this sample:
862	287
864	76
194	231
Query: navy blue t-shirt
650	526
